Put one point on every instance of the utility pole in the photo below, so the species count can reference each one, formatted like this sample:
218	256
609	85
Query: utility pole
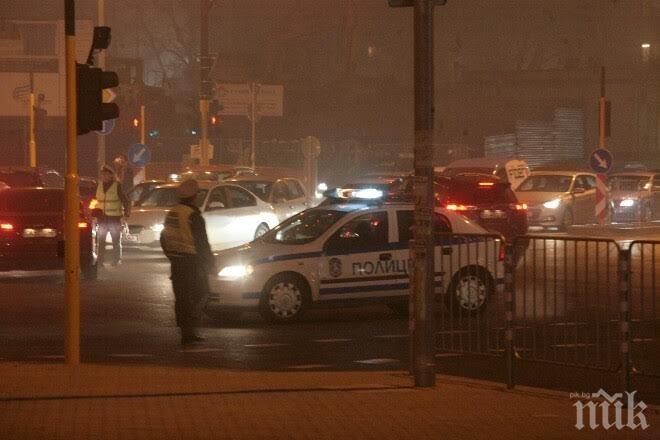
205	86
422	290
100	138
72	199
253	122
32	110
143	123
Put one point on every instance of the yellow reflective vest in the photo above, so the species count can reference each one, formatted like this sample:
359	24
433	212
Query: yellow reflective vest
177	237
108	201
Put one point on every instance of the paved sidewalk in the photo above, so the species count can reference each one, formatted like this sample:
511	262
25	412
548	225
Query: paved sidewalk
100	401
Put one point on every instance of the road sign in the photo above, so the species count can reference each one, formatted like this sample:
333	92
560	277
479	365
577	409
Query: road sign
601	198
108	126
138	155
601	160
236	99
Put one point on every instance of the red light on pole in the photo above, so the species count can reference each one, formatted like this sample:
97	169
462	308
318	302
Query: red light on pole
136	122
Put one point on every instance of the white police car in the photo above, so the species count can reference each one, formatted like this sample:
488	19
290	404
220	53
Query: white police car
348	253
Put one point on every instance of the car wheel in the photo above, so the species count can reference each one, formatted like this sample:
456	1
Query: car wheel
91	272
261	230
567	219
284	299
469	291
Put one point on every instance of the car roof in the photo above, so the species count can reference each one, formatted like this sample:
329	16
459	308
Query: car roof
633	174
376	180
255	178
482	162
560	172
32	189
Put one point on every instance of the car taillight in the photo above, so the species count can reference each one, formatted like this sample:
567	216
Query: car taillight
486	184
83	225
458	207
93	204
518	206
6	227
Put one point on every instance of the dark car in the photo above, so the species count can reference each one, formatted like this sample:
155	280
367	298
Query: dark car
22	177
32	231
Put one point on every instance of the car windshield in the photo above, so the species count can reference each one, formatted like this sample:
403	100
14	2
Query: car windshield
304	227
629	183
31	201
167	197
260	189
546	183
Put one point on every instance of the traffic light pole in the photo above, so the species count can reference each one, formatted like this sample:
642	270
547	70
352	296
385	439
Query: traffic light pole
422	279
33	137
72	200
100	138
205	8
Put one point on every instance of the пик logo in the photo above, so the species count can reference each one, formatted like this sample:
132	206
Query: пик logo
634	412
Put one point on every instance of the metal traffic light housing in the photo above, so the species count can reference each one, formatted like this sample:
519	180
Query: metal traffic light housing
92	111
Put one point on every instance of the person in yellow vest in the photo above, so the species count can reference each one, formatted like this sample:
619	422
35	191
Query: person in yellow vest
186	245
112	205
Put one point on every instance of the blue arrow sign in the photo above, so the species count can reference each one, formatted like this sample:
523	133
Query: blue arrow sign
138	155
601	160
108	126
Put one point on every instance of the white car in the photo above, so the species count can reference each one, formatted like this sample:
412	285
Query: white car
351	253
233	215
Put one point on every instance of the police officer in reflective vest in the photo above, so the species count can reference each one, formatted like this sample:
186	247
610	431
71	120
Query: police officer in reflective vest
112	206
185	243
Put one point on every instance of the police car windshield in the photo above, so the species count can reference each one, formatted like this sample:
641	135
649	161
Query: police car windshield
304	227
167	197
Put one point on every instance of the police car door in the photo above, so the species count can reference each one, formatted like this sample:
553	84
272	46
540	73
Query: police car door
357	260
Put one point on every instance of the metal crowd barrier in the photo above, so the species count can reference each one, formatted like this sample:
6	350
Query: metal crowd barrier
578	302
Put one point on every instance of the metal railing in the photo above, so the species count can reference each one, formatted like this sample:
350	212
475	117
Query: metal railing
577	302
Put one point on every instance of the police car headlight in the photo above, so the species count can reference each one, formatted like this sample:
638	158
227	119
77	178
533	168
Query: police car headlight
158	228
234	272
627	203
552	204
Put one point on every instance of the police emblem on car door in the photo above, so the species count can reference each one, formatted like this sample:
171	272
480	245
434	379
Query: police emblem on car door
357	261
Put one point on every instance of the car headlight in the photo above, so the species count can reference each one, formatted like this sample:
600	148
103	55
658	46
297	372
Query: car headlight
158	227
238	271
322	187
627	203
552	204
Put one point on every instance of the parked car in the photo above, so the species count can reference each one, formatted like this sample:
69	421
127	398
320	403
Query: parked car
286	195
22	177
509	170
233	215
32	231
558	199
635	196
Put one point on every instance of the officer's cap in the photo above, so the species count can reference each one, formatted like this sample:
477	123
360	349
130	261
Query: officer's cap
188	189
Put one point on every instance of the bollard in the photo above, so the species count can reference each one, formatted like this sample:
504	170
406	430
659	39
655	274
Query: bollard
624	317
509	349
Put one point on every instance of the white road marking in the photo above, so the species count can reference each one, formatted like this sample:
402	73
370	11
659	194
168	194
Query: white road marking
379	361
50	356
446	355
392	336
199	350
643	340
328	341
309	367
573	345
264	345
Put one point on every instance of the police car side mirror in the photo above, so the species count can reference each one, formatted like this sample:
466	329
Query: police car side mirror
215	205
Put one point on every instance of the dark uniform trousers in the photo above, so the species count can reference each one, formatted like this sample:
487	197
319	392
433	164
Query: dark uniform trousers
191	286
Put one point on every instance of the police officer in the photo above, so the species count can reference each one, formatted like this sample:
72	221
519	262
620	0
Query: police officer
112	206
185	243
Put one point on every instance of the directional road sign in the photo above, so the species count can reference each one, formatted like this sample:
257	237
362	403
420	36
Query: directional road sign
138	155
601	160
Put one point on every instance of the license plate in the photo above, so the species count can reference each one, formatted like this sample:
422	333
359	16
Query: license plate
489	214
39	232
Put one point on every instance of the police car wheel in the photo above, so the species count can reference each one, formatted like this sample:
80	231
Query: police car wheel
261	230
284	299
469	291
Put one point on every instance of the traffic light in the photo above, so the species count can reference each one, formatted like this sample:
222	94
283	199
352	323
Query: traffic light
92	111
136	122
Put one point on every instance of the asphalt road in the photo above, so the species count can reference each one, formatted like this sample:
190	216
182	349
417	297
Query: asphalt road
127	316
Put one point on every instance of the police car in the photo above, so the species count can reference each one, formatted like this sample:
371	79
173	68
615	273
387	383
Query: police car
347	253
